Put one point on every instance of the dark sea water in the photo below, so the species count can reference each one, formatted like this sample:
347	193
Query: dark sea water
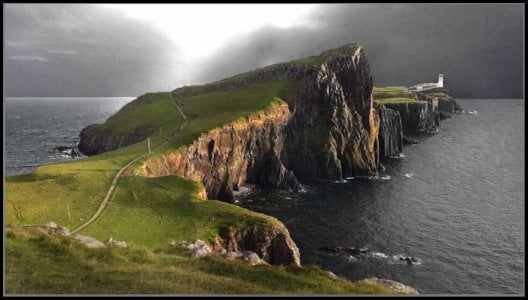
461	212
33	126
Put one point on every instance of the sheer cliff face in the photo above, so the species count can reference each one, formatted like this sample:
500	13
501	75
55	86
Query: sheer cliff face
224	159
391	133
334	130
328	130
421	116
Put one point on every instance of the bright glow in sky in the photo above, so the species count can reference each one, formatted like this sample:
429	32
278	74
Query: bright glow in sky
198	29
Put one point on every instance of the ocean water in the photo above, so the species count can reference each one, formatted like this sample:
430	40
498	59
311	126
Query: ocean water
455	201
33	126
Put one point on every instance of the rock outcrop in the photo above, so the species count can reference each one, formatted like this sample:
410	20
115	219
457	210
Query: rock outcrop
97	138
224	159
273	245
333	132
417	116
391	132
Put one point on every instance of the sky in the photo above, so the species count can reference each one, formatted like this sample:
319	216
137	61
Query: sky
128	50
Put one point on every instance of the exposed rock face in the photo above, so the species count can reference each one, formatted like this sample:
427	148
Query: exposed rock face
273	245
223	159
391	132
110	242
200	249
420	116
334	129
89	242
446	105
95	138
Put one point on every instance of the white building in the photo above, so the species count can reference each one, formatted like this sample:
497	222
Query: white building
427	86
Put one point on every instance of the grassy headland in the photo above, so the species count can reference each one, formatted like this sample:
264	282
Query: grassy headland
147	212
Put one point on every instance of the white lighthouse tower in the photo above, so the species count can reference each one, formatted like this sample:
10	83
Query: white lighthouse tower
440	80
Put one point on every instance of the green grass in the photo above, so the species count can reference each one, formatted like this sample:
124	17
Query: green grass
69	193
42	264
153	211
317	60
395	94
145	211
396	100
150	112
212	110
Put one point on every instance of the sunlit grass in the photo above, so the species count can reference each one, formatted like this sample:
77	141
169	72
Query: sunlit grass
42	264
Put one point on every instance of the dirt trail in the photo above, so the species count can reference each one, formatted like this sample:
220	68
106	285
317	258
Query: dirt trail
111	190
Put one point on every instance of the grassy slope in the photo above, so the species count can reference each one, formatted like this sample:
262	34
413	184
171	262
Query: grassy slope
382	95
47	193
144	211
39	263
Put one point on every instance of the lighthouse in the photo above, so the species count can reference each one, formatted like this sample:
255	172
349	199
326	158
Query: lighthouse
440	80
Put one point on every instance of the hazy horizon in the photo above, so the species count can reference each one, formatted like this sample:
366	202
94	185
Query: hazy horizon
85	50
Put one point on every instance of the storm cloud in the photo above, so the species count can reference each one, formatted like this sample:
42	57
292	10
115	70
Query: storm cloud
478	47
89	50
84	50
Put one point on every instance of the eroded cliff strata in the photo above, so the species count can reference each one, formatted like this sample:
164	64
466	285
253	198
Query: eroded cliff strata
391	132
333	132
417	116
328	130
225	158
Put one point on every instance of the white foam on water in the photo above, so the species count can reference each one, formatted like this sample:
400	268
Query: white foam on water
409	175
379	254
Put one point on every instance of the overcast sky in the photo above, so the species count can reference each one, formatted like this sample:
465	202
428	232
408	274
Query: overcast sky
128	50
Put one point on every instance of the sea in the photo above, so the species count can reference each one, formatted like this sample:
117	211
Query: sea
35	126
454	201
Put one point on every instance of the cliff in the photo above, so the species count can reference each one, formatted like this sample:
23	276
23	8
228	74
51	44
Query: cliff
391	132
274	245
417	116
225	158
326	129
133	123
333	124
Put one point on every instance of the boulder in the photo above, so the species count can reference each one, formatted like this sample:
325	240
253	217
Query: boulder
332	275
110	242
88	242
200	249
251	257
233	255
52	225
62	231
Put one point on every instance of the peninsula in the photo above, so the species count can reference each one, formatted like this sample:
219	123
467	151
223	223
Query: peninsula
162	171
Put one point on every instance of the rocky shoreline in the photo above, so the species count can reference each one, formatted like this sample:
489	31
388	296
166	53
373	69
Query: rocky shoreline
328	129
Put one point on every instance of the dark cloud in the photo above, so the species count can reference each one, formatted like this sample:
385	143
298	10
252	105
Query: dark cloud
83	50
479	47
